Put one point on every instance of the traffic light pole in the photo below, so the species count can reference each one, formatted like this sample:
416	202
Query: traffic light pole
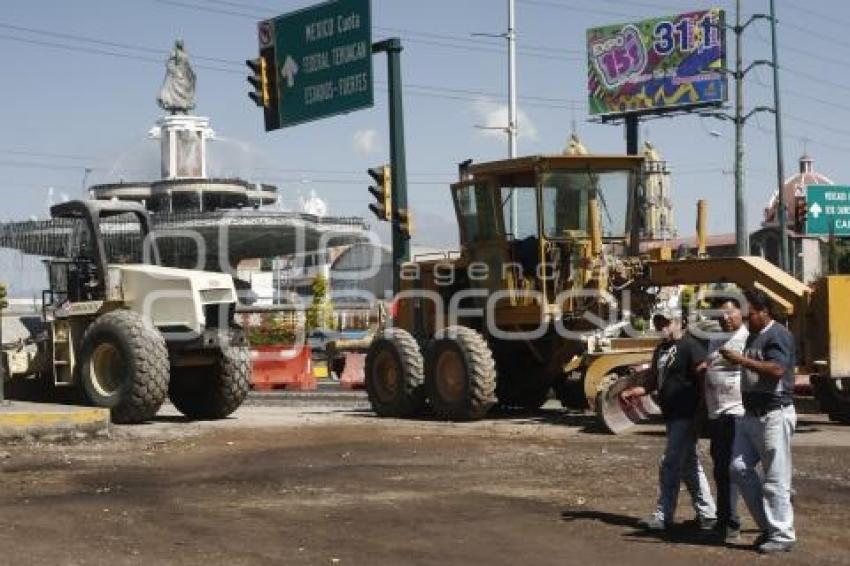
401	244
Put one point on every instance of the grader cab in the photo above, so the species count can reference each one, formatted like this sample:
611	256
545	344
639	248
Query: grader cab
548	245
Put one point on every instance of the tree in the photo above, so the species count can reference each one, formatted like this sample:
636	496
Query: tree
321	311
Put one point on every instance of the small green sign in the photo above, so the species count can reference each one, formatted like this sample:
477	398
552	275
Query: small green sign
323	60
828	210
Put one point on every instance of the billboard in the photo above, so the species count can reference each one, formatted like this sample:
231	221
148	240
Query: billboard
657	65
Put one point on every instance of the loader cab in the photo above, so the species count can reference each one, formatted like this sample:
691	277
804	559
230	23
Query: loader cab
529	220
96	234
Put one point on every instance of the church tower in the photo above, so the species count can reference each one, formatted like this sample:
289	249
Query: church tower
657	207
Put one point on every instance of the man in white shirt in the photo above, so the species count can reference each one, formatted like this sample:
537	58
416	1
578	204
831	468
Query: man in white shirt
722	394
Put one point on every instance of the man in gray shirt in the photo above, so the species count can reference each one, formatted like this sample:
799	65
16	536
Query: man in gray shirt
767	385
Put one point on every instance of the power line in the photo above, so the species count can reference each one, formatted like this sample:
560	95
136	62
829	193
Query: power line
831	18
268	11
46	154
802	139
828	127
653	5
424	90
573	8
96	51
466	43
813	36
56	166
61	35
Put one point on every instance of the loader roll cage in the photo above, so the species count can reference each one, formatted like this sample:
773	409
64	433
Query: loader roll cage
87	266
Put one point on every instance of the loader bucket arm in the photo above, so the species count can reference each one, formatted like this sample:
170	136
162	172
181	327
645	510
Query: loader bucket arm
748	272
92	212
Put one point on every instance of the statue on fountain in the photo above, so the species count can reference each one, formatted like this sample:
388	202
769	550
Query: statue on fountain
177	95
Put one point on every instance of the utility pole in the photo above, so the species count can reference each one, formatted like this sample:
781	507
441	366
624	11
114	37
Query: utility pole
512	112
512	128
742	237
512	123
782	206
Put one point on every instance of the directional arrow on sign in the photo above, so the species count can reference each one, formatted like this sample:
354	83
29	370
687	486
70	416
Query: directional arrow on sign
815	209
289	70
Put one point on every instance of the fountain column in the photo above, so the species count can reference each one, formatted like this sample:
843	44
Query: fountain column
183	141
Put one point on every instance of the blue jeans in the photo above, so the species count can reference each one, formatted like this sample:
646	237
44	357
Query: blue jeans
680	464
767	440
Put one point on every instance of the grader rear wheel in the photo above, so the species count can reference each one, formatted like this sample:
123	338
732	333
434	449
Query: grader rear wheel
395	375
460	374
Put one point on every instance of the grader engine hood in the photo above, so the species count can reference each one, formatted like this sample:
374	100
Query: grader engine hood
173	299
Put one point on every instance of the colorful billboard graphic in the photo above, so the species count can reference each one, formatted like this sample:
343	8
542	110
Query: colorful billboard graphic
657	65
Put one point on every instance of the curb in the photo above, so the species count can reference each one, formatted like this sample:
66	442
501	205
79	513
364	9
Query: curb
30	421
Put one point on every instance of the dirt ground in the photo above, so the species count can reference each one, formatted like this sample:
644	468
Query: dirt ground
313	485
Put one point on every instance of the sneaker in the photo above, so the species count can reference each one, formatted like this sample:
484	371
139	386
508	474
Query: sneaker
653	524
730	534
760	540
700	524
772	547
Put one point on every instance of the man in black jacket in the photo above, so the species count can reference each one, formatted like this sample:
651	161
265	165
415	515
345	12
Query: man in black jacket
674	375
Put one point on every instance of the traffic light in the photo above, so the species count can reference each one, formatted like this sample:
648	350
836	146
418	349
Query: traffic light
801	211
405	223
260	81
3	302
382	191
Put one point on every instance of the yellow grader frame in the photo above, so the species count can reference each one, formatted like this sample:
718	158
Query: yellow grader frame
544	300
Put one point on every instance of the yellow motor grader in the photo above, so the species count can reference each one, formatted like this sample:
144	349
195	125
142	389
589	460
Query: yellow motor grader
547	288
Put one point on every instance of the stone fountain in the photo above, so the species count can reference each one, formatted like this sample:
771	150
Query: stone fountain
229	216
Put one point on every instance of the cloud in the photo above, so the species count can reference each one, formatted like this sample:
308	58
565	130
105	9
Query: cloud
491	114
365	141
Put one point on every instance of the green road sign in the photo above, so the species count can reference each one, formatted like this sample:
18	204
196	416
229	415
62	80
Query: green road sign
322	60
828	210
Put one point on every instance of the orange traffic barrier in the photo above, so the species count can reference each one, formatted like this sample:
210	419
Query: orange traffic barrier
282	367
354	373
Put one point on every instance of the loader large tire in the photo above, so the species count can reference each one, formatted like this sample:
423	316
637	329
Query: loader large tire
833	396
213	392
124	366
395	376
460	374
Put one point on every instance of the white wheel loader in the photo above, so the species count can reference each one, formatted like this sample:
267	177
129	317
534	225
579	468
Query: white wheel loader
126	331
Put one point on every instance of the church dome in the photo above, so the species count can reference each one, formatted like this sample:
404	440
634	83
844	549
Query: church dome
794	187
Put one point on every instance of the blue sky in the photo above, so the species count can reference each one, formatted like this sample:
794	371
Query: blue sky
80	79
